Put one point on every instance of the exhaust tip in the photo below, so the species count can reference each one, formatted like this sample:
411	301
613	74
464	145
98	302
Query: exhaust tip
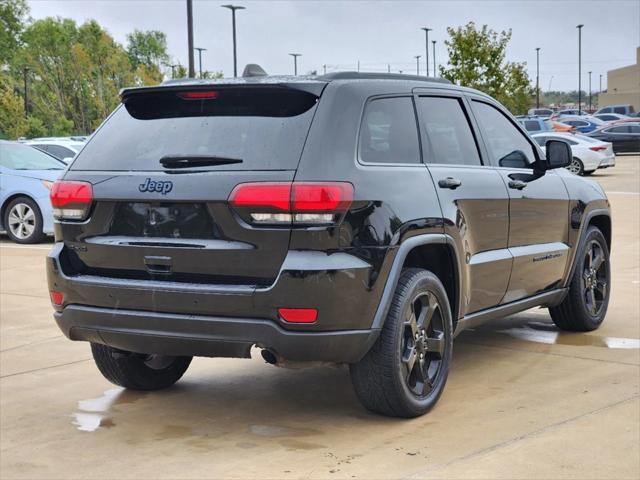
269	356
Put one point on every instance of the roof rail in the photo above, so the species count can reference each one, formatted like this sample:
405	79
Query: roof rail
379	76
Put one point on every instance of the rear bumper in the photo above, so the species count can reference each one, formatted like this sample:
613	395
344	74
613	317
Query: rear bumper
225	320
172	334
608	162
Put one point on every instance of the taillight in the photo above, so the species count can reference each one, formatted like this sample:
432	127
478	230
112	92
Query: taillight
298	203
71	200
597	149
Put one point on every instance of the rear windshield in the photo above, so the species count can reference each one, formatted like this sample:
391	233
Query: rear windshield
265	128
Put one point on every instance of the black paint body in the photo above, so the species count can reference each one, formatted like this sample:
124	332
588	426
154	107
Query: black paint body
129	285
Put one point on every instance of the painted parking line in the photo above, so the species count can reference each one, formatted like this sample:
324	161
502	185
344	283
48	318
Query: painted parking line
28	247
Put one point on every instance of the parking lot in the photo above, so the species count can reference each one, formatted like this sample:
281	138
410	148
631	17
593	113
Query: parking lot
523	400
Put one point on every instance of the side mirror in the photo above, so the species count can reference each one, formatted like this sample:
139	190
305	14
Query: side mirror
558	155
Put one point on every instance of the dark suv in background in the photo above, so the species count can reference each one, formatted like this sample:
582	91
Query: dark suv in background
351	218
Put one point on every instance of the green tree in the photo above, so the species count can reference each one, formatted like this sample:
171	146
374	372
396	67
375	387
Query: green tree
477	60
76	73
179	71
12	19
149	51
13	123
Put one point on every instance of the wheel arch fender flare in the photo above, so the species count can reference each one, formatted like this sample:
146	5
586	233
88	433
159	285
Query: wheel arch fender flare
395	271
584	227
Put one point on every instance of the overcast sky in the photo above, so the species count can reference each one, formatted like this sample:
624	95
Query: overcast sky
339	33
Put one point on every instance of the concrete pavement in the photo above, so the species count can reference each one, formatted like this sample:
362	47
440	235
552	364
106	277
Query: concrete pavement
523	400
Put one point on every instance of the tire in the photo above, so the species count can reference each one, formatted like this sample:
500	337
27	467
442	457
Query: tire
587	173
576	167
138	371
23	221
584	307
388	380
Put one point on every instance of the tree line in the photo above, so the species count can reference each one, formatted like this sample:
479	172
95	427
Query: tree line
58	78
71	73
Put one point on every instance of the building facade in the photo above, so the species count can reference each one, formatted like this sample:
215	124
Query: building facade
623	86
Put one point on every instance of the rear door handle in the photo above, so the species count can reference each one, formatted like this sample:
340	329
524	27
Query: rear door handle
517	184
449	182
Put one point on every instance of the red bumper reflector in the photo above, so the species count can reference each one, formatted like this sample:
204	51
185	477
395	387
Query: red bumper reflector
298	315
56	297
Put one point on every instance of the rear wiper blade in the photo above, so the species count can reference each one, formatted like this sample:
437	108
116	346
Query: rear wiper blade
190	161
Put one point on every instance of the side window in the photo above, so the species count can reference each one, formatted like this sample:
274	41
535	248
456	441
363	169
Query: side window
620	110
606	110
621	129
448	131
541	140
389	132
507	146
531	125
60	152
634	128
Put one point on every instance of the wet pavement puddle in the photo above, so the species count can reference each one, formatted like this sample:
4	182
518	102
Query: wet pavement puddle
94	413
545	333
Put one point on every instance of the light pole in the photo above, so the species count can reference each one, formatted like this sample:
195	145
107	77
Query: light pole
589	92
192	72
417	57
426	31
295	62
435	73
579	27
233	9
200	50
537	77
25	72
600	89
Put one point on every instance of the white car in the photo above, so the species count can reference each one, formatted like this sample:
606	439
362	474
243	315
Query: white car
589	154
61	148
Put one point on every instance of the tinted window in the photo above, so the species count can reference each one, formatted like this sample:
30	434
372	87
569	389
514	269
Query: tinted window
389	133
506	144
606	110
23	157
622	129
621	110
44	148
531	125
60	152
634	129
448	132
264	127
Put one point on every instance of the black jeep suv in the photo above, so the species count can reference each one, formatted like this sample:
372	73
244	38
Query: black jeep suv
352	218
